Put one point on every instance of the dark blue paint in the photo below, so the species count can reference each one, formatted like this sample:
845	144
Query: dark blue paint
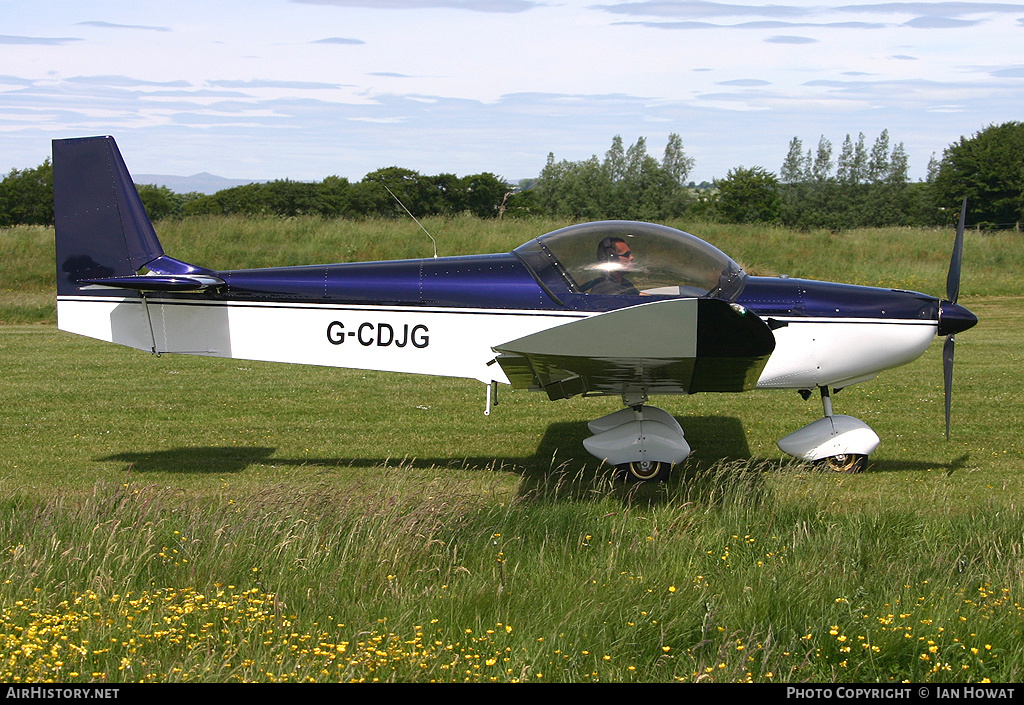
954	318
164	264
770	296
479	281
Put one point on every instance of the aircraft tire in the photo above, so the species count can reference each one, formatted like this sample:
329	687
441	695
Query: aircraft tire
646	471
845	462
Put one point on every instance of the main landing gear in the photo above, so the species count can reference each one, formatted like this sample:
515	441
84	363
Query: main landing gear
642	442
840	443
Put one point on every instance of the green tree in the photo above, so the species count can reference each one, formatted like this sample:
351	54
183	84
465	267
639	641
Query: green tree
899	165
675	162
844	165
822	167
521	203
249	199
483	194
749	196
923	201
988	169
868	189
573	189
628	184
289	198
450	191
878	162
851	166
384	188
26	196
333	197
615	160
160	201
640	194
794	168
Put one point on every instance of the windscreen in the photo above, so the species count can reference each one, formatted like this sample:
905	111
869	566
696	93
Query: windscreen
624	257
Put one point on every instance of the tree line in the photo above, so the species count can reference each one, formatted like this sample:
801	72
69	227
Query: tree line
26	197
628	184
869	187
385	193
858	186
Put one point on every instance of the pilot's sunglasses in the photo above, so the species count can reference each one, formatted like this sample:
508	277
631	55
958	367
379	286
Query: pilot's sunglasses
624	255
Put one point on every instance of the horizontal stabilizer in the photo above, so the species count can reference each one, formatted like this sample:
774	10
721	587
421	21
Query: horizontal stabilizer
159	282
675	346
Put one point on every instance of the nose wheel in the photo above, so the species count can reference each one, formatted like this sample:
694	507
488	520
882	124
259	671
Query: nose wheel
835	442
845	462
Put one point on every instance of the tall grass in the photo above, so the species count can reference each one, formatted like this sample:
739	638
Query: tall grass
403	580
27	274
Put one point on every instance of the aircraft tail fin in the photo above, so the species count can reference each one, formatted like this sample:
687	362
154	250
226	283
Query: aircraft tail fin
102	229
103	239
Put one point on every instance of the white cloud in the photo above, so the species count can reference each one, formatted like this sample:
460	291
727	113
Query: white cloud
703	8
932	22
788	39
1009	72
471	5
338	40
38	41
948	9
124	81
112	25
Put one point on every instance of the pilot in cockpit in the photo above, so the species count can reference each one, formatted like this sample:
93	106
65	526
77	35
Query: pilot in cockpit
614	259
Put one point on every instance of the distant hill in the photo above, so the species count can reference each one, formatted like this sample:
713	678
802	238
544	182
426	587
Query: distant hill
201	183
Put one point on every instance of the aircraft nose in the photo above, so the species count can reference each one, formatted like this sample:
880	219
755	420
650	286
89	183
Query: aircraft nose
954	318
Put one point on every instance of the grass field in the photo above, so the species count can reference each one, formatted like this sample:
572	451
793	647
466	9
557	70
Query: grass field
193	519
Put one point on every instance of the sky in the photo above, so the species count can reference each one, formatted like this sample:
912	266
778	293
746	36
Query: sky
304	89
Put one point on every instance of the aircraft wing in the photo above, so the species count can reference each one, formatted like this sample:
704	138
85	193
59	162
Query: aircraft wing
674	346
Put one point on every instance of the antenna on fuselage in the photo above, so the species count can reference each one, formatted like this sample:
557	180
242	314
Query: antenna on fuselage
413	217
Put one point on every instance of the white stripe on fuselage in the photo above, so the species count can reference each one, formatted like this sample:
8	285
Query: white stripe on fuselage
450	342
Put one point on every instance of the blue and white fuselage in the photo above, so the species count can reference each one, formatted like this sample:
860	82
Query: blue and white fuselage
444	316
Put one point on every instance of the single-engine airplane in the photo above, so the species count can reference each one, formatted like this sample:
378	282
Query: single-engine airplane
615	308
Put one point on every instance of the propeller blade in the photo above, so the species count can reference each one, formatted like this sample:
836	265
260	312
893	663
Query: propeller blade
953	278
952	293
947	374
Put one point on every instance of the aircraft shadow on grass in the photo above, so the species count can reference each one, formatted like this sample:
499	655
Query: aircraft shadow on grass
213	460
558	448
554	469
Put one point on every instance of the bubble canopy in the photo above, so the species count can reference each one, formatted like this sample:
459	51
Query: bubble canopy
654	259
